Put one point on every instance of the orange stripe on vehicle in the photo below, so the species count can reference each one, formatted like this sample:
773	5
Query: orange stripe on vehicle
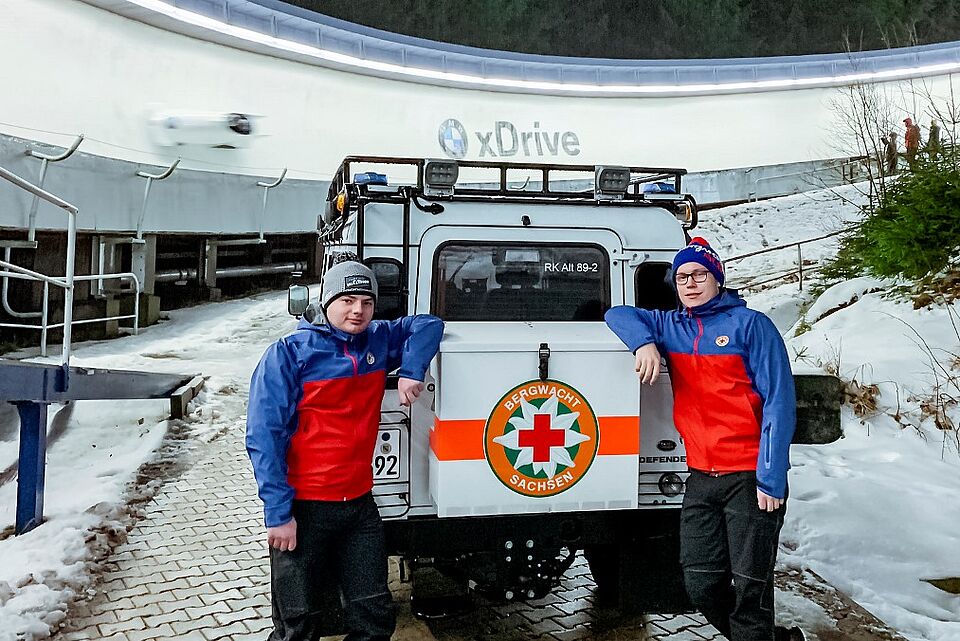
457	440
462	440
619	435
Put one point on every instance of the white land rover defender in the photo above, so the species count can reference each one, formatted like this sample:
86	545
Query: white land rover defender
533	440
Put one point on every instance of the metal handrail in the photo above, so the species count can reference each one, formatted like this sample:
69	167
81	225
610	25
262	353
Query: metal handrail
767	250
44	327
798	244
37	191
146	194
29	274
46	159
266	192
72	212
5	293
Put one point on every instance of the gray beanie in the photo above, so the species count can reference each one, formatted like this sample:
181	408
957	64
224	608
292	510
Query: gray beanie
344	278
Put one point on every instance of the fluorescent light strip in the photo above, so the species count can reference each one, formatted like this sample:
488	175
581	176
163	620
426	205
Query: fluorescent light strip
249	35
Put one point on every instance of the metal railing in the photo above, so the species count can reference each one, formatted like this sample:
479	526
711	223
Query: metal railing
799	269
45	325
67	281
146	196
45	160
266	194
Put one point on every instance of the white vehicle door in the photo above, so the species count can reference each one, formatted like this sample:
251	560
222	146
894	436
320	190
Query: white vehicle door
663	461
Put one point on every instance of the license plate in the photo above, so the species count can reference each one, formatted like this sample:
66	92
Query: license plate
386	456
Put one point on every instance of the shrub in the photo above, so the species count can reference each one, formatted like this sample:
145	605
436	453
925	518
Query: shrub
914	230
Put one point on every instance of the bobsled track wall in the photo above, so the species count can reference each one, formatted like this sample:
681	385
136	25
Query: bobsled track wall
241	211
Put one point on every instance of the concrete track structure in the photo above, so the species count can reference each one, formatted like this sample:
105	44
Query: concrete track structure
306	90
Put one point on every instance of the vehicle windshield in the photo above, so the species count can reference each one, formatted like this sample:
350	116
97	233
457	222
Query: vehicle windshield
520	282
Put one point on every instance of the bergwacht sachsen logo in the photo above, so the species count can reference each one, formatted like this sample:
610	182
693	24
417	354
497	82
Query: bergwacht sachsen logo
541	438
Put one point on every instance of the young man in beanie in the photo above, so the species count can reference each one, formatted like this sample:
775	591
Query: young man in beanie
312	424
735	408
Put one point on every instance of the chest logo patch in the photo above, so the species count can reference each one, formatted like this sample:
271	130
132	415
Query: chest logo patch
541	438
370	358
722	341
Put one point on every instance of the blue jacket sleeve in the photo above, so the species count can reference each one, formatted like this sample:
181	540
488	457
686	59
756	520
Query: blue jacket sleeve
634	326
275	392
769	365
412	342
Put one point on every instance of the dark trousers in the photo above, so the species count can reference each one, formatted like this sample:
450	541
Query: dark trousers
340	544
728	548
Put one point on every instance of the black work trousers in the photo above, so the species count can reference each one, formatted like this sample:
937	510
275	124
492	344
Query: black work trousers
340	544
728	548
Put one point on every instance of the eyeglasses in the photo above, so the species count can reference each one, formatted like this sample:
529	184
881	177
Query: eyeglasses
699	276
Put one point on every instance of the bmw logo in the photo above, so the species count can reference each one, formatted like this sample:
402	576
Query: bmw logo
453	138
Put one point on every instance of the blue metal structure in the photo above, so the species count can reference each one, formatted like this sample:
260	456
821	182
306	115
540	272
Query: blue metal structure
32	387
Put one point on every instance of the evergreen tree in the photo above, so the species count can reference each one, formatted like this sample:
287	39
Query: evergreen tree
637	29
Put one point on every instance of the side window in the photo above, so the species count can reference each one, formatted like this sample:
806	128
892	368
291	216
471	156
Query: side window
390	300
653	287
520	282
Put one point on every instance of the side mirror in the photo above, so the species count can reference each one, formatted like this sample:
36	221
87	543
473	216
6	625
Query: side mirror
298	297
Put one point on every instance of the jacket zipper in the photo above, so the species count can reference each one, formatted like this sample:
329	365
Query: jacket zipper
356	369
696	341
696	351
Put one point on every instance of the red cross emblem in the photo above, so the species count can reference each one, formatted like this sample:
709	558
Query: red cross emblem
541	438
528	428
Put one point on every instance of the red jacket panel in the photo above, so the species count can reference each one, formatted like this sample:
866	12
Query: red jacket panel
330	453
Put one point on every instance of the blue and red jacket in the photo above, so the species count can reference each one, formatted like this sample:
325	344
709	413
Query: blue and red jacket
733	397
314	408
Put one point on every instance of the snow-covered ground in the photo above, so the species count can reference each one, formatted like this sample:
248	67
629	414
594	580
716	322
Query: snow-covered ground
874	513
877	512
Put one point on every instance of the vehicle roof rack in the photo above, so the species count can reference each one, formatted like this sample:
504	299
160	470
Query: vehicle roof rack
548	183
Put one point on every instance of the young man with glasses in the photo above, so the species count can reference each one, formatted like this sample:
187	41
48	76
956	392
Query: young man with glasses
735	408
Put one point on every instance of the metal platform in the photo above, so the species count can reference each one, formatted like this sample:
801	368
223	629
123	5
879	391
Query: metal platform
33	386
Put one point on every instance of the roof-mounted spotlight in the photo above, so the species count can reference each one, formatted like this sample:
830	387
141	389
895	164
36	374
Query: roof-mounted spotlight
440	177
610	183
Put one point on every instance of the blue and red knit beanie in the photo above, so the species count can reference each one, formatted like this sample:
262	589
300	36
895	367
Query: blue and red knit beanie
699	251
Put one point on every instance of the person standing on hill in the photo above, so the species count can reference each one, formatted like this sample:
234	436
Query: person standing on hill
911	140
890	153
933	141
